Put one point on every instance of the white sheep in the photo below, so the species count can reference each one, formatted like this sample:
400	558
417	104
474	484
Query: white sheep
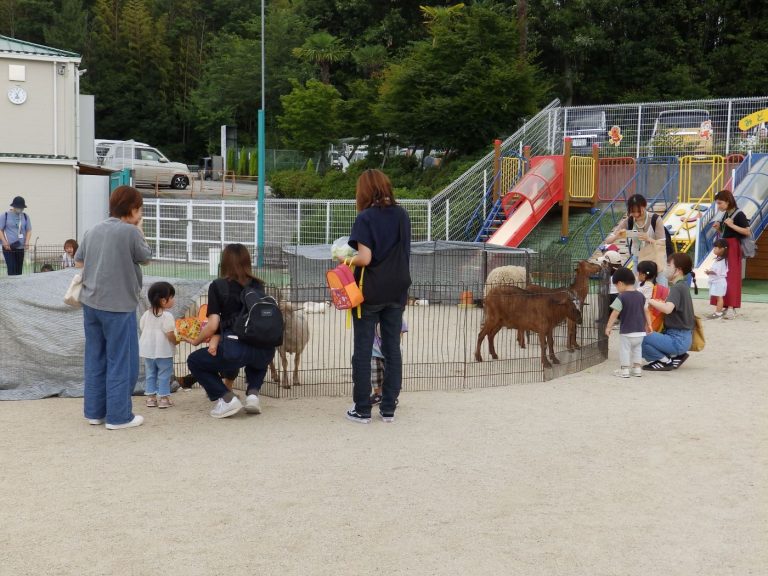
296	328
506	276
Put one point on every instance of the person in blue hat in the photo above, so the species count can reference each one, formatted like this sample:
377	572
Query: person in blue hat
15	232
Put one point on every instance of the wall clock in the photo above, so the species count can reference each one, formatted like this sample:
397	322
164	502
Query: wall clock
17	95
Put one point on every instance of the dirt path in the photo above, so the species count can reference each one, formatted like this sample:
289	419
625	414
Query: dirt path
585	475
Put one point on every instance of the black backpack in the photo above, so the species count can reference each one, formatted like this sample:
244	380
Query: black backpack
667	235
259	322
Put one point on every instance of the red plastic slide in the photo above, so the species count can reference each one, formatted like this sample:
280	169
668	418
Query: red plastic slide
528	202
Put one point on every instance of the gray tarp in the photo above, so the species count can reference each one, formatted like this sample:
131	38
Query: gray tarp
42	338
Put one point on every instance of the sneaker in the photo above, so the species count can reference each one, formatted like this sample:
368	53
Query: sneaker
95	421
387	417
164	402
226	409
375	399
138	420
636	371
658	366
730	314
151	401
714	315
354	416
252	404
621	372
677	361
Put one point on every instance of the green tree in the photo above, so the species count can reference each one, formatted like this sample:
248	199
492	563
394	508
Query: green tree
473	78
322	50
69	27
310	117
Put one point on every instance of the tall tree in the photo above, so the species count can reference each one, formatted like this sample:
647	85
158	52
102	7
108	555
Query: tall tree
473	77
322	50
310	119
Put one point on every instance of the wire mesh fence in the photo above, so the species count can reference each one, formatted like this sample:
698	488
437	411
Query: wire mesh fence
443	322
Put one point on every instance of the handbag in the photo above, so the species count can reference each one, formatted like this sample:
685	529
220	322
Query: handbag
72	295
697	340
748	247
655	253
388	281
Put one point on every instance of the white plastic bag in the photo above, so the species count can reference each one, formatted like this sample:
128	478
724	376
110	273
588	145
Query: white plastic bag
340	248
72	295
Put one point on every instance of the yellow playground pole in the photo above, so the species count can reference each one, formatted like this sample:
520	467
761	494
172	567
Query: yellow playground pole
566	188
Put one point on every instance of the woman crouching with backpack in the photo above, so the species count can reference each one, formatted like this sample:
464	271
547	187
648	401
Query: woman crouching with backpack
225	353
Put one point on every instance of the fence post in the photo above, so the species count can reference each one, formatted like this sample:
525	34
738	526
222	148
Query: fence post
298	222
485	195
447	218
328	222
639	116
429	221
728	129
189	231
566	188
157	227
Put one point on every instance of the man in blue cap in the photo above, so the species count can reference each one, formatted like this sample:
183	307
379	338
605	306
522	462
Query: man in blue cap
15	232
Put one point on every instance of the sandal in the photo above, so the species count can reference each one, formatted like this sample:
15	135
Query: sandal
151	401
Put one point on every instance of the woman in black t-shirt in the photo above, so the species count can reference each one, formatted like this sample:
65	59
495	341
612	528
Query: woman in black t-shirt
732	227
226	354
381	235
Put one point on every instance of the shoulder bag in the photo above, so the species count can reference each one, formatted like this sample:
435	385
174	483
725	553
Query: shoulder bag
72	295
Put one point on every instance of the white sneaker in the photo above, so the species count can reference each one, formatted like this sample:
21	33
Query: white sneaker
621	372
226	409
730	314
636	371
252	404
95	421
138	420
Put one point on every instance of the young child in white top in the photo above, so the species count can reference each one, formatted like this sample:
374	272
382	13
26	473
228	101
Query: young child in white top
68	258
647	273
157	344
717	276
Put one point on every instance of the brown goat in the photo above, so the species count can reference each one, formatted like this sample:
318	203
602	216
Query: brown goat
513	307
580	287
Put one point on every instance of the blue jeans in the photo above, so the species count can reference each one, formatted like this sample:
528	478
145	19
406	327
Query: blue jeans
158	374
669	343
389	317
14	259
230	356
111	364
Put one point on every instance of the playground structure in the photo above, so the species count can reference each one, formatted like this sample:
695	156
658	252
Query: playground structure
681	190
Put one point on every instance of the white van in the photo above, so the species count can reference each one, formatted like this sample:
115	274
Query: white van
150	166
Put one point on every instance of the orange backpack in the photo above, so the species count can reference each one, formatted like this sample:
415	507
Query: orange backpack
657	318
345	293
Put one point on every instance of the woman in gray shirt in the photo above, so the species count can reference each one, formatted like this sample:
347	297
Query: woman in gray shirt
667	350
110	255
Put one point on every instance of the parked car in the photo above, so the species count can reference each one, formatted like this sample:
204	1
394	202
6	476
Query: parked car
103	146
150	166
585	127
683	131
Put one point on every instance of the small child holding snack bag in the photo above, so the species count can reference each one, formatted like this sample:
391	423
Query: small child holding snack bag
157	344
377	364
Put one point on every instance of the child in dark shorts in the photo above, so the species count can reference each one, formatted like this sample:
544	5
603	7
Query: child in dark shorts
377	364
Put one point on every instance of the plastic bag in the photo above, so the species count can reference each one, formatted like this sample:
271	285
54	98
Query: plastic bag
340	248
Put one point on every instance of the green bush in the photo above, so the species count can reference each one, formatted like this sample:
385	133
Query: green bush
338	185
295	183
